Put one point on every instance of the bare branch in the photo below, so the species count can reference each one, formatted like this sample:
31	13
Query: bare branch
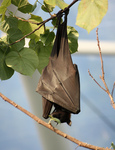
25	20
102	68
113	89
96	81
49	126
98	43
103	77
26	35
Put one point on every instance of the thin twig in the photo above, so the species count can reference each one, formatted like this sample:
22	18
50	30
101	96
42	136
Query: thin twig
96	81
72	139
103	77
113	89
102	67
26	20
26	35
43	22
45	7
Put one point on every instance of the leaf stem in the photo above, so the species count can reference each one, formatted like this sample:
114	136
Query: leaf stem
45	7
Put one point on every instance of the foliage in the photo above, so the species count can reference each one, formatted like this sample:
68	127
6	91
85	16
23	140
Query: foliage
112	145
90	13
14	56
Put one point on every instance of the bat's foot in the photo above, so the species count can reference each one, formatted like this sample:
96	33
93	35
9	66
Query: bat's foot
54	119
50	122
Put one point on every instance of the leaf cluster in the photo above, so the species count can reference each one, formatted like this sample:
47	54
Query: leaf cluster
17	57
14	56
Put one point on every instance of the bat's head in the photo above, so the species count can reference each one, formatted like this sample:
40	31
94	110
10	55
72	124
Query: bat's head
62	115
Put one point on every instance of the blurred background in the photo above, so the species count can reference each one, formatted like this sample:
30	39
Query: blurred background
95	124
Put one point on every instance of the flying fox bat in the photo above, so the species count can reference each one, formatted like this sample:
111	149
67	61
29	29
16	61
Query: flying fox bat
59	83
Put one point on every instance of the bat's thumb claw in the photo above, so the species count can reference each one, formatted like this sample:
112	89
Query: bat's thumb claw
70	123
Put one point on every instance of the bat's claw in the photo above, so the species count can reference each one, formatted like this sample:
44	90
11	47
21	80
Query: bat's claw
54	119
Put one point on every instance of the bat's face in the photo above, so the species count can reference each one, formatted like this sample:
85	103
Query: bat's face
62	115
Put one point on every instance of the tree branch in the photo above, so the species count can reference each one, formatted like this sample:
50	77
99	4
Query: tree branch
43	22
103	77
27	35
25	20
96	81
49	126
113	89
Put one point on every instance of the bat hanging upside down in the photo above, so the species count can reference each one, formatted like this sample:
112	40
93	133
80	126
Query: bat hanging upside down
59	83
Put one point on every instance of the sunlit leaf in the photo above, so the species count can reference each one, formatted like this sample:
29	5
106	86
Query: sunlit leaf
6	3
3	7
3	11
24	61
27	27
60	3
91	13
47	8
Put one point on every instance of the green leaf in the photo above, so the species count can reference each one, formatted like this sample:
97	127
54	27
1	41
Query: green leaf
43	54
23	5
9	22
34	6
47	8
72	39
91	13
50	2
4	40
47	37
5	71
113	145
3	11
44	51
24	61
14	35
27	27
3	7
60	3
6	3
55	21
3	45
32	44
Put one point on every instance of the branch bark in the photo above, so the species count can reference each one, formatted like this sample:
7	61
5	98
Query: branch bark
49	126
102	77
